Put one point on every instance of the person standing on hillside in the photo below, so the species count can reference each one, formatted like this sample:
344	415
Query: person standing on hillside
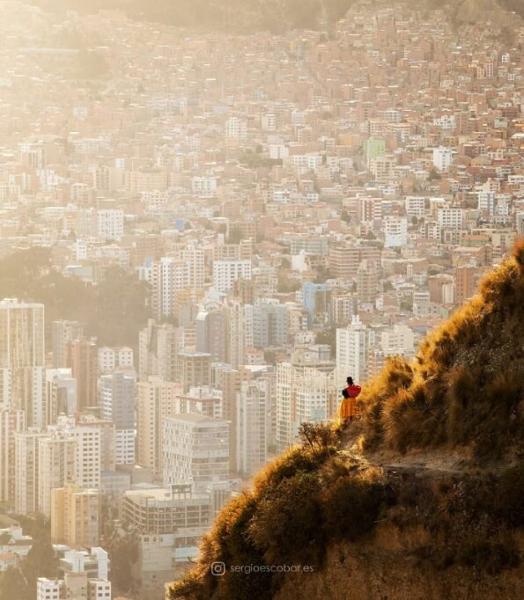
348	407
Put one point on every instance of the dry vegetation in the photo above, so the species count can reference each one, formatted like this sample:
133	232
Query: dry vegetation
301	502
471	519
466	385
464	388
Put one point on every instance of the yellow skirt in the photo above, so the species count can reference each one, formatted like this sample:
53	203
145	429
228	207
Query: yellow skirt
348	408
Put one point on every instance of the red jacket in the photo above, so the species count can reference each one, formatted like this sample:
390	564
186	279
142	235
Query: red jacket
353	390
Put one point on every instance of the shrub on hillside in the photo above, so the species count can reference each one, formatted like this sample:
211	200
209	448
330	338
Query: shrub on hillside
396	375
190	587
319	436
351	507
286	527
518	253
300	504
295	460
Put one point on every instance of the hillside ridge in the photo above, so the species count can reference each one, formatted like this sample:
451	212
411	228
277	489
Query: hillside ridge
428	495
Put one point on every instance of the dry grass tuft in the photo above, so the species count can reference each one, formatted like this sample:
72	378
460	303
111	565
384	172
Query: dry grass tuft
518	253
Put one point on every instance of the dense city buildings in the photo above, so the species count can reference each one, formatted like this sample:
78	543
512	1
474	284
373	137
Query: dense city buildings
84	576
203	234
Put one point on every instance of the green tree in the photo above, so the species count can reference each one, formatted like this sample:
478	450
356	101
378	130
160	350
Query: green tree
113	311
120	308
5	538
41	561
123	553
13	584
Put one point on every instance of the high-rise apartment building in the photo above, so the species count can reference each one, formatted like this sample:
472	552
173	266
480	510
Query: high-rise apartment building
12	421
398	340
270	324
117	393
57	455
26	470
194	369
442	158
94	444
60	394
75	516
367	282
195	450
226	272
159	345
211	333
466	280
110	359
352	351
110	224
303	394
62	333
395	231
239	331
156	400
171	275
345	259
227	379
22	359
88	464
252	425
82	360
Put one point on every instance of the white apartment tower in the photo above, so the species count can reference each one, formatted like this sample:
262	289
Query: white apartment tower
92	447
195	450
398	340
442	158
252	427
304	393
22	359
88	463
226	272
185	270
395	231
352	351
117	400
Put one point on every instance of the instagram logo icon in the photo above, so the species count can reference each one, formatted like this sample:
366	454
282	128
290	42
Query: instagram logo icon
218	569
